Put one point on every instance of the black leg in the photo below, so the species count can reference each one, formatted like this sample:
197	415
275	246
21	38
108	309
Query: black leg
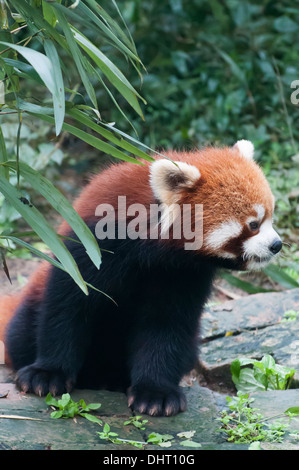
161	353
59	335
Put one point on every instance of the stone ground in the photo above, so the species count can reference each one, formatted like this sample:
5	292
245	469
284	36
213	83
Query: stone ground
248	326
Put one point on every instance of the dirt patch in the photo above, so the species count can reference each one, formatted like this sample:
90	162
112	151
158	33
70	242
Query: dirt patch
19	271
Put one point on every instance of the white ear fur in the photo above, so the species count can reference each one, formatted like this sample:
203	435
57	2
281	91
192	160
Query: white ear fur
167	178
245	148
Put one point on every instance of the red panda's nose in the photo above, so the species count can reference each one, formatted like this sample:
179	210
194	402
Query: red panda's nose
276	246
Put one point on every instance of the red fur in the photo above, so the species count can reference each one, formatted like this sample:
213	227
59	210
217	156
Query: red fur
8	305
33	290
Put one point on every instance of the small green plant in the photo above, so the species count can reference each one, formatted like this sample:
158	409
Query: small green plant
261	375
136	421
166	440
67	408
107	434
155	438
290	315
162	440
246	425
113	437
188	442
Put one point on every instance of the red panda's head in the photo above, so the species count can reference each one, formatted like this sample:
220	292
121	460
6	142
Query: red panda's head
236	200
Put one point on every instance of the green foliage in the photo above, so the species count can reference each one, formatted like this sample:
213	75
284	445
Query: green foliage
284	182
188	442
215	70
263	375
162	440
67	408
154	438
37	151
290	315
107	434
113	437
245	425
136	421
166	440
44	59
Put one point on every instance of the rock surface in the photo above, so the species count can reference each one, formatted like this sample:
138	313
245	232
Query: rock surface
250	326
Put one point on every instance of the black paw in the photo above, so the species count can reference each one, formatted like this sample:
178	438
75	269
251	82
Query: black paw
32	379
156	401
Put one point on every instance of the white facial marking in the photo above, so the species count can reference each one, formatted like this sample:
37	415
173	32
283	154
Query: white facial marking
260	210
218	237
245	148
256	248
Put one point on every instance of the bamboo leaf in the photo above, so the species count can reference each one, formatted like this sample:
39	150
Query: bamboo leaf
87	121
33	108
110	70
91	140
58	92
39	62
39	224
61	205
77	56
3	157
20	66
49	13
127	136
278	275
48	68
34	250
101	21
35	21
244	285
101	128
125	45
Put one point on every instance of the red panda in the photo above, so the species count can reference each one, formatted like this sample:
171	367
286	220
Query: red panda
159	276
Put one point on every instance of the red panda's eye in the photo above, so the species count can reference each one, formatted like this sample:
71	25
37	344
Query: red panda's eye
254	226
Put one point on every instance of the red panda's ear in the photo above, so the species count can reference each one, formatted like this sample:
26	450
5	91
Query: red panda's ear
167	178
245	148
